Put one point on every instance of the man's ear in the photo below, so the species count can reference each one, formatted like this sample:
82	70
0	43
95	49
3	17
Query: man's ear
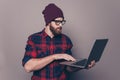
48	24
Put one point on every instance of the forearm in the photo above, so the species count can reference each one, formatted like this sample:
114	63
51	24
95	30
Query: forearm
36	64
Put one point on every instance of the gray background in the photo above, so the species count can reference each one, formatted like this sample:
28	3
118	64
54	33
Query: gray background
87	20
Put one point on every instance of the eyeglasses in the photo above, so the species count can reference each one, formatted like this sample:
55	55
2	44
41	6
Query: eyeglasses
58	22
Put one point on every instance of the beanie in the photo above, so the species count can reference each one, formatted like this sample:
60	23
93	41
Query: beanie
51	12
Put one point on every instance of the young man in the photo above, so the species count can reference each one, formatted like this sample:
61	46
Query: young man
46	49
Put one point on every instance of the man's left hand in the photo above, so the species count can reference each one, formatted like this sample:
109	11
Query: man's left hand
92	64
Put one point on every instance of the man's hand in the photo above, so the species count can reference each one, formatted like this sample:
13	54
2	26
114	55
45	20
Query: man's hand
91	64
64	56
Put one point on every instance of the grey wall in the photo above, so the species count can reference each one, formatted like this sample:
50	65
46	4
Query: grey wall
87	20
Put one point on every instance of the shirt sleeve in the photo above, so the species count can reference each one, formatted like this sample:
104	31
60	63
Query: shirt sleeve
30	51
69	46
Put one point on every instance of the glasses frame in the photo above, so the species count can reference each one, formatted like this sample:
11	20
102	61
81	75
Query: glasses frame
58	22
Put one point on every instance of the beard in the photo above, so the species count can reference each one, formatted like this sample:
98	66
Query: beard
56	31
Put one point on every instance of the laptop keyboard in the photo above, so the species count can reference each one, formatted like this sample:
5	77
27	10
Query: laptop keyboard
81	62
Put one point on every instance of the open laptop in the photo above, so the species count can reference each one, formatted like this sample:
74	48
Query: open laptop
95	54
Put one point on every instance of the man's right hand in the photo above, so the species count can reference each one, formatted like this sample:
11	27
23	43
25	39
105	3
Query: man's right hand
64	56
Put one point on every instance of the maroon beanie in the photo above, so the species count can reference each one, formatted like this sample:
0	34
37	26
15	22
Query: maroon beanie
51	12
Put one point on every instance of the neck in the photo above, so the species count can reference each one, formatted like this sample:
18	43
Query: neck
47	30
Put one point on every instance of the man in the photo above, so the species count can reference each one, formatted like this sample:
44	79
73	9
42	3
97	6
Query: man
46	49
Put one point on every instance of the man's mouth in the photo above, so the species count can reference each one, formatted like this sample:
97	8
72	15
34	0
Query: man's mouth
60	28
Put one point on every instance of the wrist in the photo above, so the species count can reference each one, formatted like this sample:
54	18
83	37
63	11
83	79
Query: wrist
54	56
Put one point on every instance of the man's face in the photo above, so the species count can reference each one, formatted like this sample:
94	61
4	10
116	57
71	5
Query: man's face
56	26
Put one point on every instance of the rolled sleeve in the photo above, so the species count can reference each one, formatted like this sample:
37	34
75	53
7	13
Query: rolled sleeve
30	52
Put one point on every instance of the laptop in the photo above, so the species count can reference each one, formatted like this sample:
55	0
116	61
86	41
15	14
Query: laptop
95	54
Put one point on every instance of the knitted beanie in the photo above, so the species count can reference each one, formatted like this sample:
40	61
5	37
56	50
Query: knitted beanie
51	12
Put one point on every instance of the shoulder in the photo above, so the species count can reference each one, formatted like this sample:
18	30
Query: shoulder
35	37
67	38
36	34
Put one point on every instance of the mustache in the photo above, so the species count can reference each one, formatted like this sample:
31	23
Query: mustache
59	28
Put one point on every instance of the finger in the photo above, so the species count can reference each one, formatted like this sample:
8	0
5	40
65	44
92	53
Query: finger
89	66
72	58
93	63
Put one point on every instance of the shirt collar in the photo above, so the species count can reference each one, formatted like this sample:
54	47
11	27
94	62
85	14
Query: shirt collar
44	34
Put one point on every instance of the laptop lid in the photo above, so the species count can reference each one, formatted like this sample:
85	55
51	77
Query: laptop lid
97	50
95	54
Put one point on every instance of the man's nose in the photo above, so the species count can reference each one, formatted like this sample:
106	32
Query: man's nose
60	25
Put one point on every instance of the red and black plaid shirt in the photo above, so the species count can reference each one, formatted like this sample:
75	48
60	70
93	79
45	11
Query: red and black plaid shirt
40	45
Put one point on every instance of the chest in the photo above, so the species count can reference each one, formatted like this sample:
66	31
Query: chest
48	47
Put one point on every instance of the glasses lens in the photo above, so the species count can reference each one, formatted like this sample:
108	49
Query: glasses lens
58	22
63	22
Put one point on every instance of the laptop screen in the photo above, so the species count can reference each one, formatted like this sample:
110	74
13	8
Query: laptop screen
97	50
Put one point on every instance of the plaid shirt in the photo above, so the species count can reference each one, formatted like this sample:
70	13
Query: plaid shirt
40	45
